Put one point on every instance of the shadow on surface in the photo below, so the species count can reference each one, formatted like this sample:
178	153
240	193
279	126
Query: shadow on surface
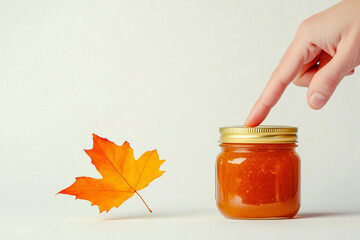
324	214
164	214
199	213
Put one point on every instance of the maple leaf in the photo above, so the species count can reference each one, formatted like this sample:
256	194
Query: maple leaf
122	175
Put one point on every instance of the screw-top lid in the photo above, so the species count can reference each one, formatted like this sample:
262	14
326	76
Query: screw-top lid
260	134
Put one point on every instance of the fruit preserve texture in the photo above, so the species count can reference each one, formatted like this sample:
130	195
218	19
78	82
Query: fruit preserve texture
258	181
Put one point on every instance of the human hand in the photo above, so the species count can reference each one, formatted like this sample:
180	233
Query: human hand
325	49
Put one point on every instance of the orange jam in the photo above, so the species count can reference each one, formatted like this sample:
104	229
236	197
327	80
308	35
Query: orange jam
258	173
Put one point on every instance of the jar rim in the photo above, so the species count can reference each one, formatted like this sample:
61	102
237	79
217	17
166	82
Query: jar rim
259	134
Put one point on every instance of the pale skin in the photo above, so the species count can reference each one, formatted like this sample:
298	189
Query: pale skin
325	49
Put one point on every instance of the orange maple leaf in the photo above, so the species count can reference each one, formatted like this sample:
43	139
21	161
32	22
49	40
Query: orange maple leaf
122	175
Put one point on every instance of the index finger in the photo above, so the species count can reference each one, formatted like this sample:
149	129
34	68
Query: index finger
283	75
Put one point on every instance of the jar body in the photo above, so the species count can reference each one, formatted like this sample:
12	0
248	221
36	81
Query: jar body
258	180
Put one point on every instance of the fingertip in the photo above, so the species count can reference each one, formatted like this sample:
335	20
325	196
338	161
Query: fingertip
300	83
256	117
317	101
249	123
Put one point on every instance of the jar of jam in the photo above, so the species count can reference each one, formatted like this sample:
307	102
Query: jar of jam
258	172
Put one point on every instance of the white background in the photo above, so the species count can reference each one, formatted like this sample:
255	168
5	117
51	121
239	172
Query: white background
165	75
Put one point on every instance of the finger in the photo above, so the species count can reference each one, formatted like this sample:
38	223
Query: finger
351	72
286	71
306	77
306	67
326	80
280	79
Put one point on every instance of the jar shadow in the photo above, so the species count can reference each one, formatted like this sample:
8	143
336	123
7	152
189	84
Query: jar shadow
324	214
206	213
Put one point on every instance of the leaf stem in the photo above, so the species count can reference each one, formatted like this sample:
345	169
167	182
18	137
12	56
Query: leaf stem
143	201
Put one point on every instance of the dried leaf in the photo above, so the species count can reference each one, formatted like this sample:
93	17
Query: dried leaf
122	175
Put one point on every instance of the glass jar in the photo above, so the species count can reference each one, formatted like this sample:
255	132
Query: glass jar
258	172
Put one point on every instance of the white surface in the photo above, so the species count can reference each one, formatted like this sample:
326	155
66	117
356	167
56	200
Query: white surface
188	225
164	75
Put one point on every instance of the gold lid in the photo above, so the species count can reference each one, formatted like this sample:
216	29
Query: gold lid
260	134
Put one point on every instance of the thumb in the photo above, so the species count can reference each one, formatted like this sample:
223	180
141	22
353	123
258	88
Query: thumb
326	80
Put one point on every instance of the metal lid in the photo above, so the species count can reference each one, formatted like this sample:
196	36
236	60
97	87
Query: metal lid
260	134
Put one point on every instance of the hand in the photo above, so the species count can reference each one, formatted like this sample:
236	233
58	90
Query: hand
325	49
